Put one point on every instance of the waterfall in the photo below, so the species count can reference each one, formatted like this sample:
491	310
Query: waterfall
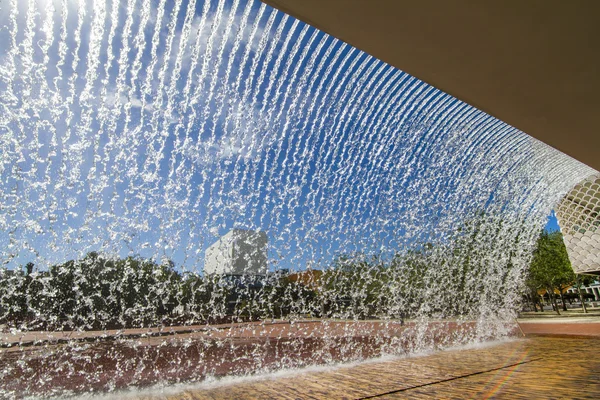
137	135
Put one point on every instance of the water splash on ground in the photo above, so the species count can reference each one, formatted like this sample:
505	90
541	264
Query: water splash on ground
136	134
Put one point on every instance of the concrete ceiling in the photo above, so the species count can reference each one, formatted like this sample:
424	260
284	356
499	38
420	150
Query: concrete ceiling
534	64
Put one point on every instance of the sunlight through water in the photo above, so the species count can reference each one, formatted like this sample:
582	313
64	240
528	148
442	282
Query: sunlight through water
197	189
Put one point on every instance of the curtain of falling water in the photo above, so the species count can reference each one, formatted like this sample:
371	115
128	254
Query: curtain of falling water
133	135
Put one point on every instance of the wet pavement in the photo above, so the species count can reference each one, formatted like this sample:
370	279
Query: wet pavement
529	368
45	365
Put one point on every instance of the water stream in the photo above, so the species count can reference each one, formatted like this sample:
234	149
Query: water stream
135	134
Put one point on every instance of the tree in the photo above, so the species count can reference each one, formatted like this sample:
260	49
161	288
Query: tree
550	267
355	286
582	280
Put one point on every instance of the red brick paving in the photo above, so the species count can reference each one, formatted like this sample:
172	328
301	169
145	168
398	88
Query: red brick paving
561	328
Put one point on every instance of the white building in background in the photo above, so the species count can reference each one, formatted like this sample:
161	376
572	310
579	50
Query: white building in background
238	252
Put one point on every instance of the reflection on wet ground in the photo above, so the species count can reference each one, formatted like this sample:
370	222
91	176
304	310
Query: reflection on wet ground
532	368
43	364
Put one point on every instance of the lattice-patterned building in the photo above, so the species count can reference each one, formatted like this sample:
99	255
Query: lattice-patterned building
579	218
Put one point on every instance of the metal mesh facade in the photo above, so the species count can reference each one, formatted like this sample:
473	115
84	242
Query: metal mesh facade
579	217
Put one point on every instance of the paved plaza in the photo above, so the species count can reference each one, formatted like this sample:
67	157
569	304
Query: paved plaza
549	356
529	368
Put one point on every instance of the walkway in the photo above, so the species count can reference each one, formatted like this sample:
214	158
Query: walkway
532	368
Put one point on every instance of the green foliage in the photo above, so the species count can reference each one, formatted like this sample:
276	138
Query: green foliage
550	267
101	293
355	287
462	275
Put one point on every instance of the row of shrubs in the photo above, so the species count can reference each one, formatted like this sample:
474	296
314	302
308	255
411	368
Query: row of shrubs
103	293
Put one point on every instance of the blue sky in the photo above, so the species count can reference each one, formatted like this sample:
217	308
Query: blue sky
153	128
552	224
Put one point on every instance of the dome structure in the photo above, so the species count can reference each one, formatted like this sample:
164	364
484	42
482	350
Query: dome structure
579	218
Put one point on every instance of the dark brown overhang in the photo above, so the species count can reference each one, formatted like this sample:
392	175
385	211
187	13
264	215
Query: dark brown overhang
532	63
